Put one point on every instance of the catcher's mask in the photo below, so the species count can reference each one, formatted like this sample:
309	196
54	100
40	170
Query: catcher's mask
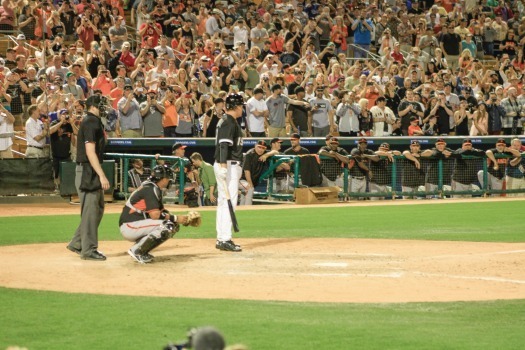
162	172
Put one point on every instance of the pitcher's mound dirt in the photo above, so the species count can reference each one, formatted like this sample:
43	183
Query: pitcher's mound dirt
309	270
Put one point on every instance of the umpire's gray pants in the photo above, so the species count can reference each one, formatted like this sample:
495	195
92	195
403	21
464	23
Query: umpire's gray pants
91	212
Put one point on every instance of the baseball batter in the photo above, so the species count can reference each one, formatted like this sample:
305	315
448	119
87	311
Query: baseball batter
145	221
228	169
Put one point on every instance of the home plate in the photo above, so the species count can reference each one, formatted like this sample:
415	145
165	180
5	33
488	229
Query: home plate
331	264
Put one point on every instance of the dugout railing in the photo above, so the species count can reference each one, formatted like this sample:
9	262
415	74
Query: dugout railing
150	161
436	178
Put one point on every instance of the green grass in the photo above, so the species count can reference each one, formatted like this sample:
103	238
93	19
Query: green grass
50	320
489	222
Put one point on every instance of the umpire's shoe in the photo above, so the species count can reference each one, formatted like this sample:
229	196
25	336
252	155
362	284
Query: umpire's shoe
228	246
95	255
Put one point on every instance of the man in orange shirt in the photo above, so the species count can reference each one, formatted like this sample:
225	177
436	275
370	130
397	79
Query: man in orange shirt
170	119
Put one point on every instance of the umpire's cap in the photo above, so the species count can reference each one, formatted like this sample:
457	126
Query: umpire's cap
93	101
234	100
160	172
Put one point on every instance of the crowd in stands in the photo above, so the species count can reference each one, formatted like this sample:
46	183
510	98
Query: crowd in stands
344	68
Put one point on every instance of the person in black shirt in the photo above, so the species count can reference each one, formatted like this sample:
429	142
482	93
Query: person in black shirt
332	165
439	153
144	220
90	148
227	168
60	131
466	170
413	174
359	166
381	171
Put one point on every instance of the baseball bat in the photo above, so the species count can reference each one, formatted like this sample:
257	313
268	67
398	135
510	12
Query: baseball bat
235	224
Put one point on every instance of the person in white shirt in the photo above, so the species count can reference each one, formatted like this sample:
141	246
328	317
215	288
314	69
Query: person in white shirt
36	133
383	118
6	132
241	32
347	114
257	114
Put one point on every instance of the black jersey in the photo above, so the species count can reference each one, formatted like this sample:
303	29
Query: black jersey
229	132
146	198
332	167
91	130
466	170
254	166
502	163
381	172
292	152
412	176
433	168
356	170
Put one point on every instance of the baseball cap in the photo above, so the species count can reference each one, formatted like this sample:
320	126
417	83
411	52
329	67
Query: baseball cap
262	143
128	87
362	140
501	141
440	140
68	74
385	145
21	37
276	139
216	12
177	146
467	142
205	58
413	118
414	142
295	136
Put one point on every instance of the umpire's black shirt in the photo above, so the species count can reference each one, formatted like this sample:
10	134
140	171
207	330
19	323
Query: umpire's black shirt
91	130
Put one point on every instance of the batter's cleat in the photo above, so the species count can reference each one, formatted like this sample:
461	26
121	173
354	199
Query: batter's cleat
148	256
74	250
141	259
95	255
228	246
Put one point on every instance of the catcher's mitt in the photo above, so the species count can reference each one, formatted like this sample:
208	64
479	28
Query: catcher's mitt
193	219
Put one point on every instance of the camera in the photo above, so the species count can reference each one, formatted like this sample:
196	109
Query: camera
162	84
67	117
361	18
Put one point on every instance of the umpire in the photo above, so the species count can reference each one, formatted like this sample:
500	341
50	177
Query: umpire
90	180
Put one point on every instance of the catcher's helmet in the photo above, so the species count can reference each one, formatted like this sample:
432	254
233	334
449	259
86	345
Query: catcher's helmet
234	100
160	172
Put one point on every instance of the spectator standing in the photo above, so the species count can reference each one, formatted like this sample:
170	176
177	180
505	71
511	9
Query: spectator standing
512	121
451	47
322	114
129	114
348	112
36	133
300	117
6	129
443	111
496	114
151	111
363	28
383	118
212	117
407	109
257	114
276	107
117	34
61	135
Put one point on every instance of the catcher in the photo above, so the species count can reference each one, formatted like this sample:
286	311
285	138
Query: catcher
144	219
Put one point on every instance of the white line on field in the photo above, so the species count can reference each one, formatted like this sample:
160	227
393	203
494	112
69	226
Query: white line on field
477	278
475	254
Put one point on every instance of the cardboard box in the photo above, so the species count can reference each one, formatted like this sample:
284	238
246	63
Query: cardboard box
316	195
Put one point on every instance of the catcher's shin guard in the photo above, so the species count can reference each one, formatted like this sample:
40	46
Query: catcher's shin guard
156	238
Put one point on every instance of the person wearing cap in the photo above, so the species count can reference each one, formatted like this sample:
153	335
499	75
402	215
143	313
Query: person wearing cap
117	34
514	113
414	129
333	158
359	166
300	117
444	112
381	170
276	104
255	161
129	114
515	177
259	34
322	114
212	23
295	146
383	118
212	116
289	56
149	29
90	149
405	30
465	170
363	28
256	114
409	108
152	111
497	164
61	135
437	153
413	174
228	171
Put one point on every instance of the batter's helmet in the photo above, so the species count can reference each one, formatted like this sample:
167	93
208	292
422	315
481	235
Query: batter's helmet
234	100
160	172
